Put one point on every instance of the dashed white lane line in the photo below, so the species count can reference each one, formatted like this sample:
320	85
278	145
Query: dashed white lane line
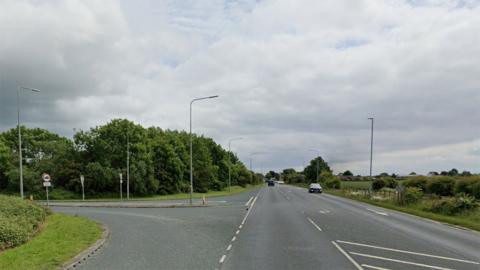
229	247
223	258
377	212
314	224
248	213
323	211
374	267
407	252
400	261
234	238
347	256
240	226
249	200
237	232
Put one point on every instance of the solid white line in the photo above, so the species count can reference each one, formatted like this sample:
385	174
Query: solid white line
374	267
248	202
238	231
314	224
348	256
223	258
400	261
377	212
229	247
234	238
408	252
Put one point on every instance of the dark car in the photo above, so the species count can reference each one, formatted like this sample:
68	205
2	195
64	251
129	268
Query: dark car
270	183
315	188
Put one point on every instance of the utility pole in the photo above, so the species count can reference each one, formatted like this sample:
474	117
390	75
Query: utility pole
371	146
128	167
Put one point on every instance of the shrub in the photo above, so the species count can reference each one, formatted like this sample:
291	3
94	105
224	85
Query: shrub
18	220
332	183
476	190
441	186
418	182
378	184
468	186
456	205
413	195
391	183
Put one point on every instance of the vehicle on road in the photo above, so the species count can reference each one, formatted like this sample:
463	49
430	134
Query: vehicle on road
315	187
271	183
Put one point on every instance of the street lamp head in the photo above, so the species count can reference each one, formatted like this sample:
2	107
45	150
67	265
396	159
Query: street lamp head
29	88
216	96
370	118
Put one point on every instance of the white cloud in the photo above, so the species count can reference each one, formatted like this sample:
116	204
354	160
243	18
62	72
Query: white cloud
290	75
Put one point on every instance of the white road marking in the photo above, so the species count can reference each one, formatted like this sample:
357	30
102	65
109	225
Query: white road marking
374	267
323	211
400	261
348	256
238	231
314	224
249	200
240	226
223	258
377	212
407	252
229	247
234	238
249	209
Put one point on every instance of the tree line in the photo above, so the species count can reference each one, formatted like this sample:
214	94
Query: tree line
159	160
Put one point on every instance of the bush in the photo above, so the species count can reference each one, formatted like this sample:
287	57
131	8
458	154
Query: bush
391	183
417	182
18	220
378	184
441	186
332	183
468	186
413	195
476	190
456	205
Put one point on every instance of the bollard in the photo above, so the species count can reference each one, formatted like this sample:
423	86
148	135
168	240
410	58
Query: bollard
203	200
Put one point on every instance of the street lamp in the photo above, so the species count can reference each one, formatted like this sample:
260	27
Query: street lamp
128	166
191	143
230	163
20	134
371	146
318	161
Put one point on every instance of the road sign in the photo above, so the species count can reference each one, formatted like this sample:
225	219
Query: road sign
46	177
47	184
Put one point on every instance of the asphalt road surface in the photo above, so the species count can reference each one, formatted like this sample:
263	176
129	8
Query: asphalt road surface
284	228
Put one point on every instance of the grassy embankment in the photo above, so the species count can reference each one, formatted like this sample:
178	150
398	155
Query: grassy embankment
33	238
61	194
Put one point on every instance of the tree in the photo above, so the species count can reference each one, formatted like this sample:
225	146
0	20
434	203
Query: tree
453	172
272	174
310	171
347	173
413	173
466	173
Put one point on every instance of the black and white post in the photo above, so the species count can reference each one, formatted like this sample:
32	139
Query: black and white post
121	181
82	181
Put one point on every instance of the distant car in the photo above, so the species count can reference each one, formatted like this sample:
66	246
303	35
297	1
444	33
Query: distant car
315	188
280	182
270	183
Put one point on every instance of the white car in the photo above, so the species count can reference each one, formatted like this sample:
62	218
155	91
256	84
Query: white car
315	187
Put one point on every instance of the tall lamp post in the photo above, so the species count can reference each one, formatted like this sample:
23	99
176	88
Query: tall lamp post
20	135
318	161
229	164
191	143
128	166
371	146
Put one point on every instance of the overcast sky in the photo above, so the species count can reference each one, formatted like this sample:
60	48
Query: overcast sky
291	75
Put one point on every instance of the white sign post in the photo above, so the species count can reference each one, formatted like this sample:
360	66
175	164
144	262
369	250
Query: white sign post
46	183
121	181
82	180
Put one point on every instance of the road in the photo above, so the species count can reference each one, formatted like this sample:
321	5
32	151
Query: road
284	228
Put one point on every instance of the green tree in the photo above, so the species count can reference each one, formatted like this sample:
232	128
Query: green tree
310	171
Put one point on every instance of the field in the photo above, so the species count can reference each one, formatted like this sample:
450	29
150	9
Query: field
356	184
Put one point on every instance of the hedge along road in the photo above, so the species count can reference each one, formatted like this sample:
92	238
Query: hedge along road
165	238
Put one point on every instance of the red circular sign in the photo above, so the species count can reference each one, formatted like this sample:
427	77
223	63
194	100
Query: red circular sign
46	177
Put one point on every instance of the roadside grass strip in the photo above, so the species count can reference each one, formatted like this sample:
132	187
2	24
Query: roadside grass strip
62	238
347	254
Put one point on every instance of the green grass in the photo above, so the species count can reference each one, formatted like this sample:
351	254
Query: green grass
468	220
356	184
64	195
61	239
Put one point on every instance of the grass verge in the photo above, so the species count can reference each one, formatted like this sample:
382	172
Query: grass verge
61	239
468	220
109	197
